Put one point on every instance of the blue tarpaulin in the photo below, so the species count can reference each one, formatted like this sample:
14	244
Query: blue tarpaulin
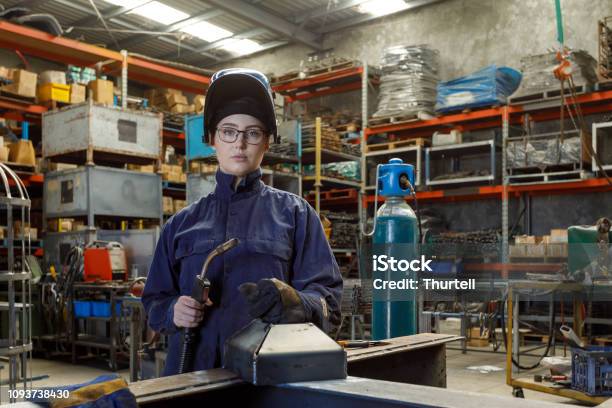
489	86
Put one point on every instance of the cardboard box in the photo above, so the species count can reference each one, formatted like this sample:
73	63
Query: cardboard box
4	154
22	152
78	225
179	205
524	239
181	108
175	99
5	72
183	178
52	77
24	83
198	101
102	91
167	205
78	93
2	233
558	236
556	250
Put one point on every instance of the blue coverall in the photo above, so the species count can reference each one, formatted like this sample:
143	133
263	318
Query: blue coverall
280	236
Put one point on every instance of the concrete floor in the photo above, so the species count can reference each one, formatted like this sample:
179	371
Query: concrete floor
458	376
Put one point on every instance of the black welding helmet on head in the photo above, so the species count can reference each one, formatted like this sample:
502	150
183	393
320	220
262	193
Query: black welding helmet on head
239	90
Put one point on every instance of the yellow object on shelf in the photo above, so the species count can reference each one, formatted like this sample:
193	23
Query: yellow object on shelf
54	92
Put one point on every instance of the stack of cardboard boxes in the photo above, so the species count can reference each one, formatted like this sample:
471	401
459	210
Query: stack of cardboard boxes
173	205
20	152
174	101
173	173
547	246
21	82
51	86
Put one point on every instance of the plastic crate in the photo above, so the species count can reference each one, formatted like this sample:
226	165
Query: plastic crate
54	92
592	370
82	308
102	309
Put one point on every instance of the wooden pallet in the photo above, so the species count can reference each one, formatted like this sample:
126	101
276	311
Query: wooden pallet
19	167
334	195
54	105
17	98
392	120
546	95
419	141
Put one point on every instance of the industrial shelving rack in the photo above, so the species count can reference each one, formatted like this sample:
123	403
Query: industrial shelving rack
42	45
499	117
15	273
333	82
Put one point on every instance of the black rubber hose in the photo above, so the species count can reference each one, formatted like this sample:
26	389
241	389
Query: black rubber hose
551	331
186	362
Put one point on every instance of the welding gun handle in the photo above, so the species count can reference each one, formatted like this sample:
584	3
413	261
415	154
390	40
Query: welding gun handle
200	289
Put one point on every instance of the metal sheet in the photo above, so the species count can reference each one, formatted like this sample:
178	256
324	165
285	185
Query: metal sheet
266	354
104	128
114	192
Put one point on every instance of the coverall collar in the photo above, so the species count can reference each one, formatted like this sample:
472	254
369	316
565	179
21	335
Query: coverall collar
225	184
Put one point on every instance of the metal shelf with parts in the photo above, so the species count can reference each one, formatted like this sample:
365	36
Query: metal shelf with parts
327	83
67	51
591	103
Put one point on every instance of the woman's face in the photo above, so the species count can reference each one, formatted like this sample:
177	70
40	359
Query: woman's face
239	158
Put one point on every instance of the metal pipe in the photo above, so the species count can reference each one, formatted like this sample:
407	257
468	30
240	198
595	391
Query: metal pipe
124	79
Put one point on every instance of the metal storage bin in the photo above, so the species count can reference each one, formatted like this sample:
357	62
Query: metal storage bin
92	190
101	134
602	145
195	147
475	159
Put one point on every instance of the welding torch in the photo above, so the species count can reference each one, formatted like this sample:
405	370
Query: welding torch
199	292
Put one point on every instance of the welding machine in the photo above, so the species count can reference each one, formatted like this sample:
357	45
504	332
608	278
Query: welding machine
105	261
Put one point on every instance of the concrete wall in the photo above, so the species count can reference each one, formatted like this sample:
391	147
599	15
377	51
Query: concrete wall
469	34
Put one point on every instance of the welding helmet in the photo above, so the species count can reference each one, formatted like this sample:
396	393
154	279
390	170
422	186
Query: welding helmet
239	84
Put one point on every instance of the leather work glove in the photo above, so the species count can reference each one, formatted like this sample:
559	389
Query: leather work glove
273	301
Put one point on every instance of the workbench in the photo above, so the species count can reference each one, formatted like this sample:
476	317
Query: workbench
418	359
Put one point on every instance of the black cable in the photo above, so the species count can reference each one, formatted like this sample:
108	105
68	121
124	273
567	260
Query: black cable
551	331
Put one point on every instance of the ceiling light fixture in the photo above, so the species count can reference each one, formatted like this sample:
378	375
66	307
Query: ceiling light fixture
382	7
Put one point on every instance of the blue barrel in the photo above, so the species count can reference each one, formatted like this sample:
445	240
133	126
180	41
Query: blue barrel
396	235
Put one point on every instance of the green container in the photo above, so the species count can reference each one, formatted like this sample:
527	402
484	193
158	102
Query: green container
582	248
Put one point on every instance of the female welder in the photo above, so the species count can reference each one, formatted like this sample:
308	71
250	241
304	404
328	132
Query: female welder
282	271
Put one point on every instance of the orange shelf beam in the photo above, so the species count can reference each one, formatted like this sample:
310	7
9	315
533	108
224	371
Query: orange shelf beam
20	110
494	115
318	79
485	192
351	86
67	51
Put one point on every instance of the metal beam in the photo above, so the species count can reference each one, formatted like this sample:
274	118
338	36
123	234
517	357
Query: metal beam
135	39
73	5
109	13
264	47
274	23
216	44
367	17
324	10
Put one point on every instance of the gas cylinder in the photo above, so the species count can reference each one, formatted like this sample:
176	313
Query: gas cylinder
396	234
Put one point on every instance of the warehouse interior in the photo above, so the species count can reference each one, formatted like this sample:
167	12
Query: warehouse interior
472	136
